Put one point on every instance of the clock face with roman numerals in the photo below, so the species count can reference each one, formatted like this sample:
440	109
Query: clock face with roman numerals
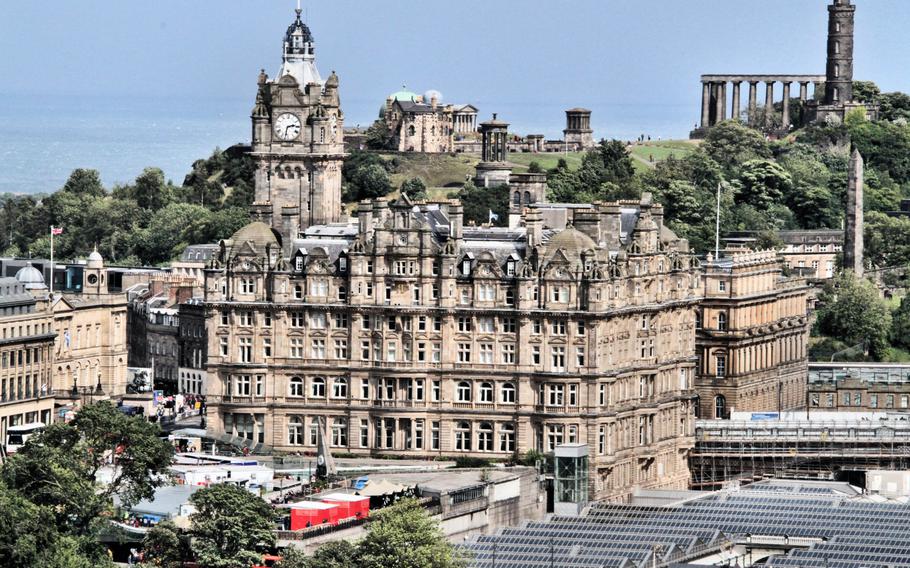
287	126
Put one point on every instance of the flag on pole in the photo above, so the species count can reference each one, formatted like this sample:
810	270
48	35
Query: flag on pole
56	230
493	216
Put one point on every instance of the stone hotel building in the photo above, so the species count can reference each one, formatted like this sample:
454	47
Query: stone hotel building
409	333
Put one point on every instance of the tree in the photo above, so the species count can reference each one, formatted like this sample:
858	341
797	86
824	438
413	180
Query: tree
886	240
379	136
336	554
415	189
166	546
731	144
866	91
764	183
84	182
404	536
478	202
534	167
170	230
151	190
231	527
852	311
900	324
58	468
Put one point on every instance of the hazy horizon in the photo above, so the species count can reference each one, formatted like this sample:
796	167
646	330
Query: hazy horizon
634	63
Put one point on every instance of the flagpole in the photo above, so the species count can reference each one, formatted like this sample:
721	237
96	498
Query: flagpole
52	261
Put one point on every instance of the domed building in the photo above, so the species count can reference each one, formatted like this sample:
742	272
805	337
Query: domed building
31	278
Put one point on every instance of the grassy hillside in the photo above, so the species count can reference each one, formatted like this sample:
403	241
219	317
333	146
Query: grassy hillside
444	173
547	161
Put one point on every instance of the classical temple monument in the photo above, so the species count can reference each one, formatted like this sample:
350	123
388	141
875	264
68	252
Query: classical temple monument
832	104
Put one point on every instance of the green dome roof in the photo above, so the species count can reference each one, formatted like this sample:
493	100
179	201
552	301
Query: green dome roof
404	95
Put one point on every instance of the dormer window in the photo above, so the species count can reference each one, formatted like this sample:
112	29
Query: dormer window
466	267
342	264
510	267
298	263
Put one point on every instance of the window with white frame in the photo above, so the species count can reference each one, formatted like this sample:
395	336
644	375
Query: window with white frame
295	386
317	320
319	288
485	437
242	385
463	436
486	353
508	353
296	348
486	293
555	436
555	394
507	393
340	388
318	349
558	358
341	348
485	392
464	352
507	438
463	392
317	387
485	325
245	348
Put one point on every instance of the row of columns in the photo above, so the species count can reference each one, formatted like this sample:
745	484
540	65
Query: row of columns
465	123
714	100
578	122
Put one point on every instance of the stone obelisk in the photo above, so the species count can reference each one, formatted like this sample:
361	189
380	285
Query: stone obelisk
853	237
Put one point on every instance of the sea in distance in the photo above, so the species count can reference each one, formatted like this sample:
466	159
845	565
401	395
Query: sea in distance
43	138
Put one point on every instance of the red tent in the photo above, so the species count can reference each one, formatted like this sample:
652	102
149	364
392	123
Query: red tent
349	505
311	513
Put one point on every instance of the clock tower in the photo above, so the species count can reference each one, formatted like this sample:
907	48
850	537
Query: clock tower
298	141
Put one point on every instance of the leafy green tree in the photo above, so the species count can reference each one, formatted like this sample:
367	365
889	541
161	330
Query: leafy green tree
731	144
415	189
150	190
885	146
535	168
58	468
25	530
764	183
404	536
886	240
900	324
616	160
379	136
478	202
231	527
336	554
85	182
866	91
166	546
809	196
852	311
894	107
170	230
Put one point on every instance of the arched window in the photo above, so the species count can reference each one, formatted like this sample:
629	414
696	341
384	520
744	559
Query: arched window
317	388
516	200
722	321
485	437
528	198
296	386
463	392
486	392
510	297
720	406
507	438
507	393
340	388
295	431
339	432
721	365
411	130
463	436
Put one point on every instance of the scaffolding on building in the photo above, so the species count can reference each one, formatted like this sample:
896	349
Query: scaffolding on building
729	451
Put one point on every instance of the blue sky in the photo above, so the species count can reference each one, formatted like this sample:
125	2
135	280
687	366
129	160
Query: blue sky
501	53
